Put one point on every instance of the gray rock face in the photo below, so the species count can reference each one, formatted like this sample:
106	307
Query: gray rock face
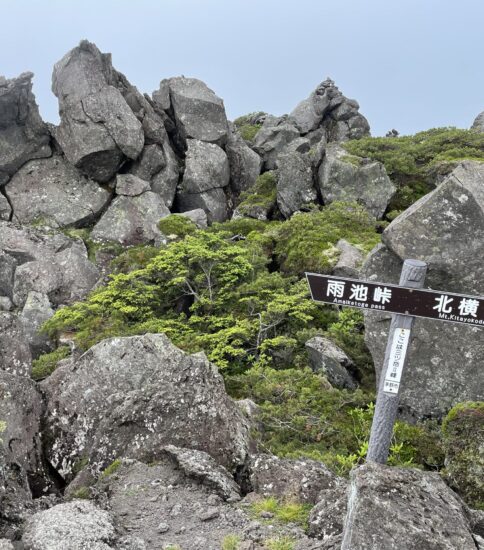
15	355
350	260
5	209
131	186
199	113
198	217
271	141
426	513
131	220
245	164
295	187
478	124
53	192
23	134
207	173
132	396
343	180
329	109
327	358
70	526
98	130
300	480
36	311
436	229
5	544
327	518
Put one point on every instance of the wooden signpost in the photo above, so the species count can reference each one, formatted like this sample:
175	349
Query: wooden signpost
406	301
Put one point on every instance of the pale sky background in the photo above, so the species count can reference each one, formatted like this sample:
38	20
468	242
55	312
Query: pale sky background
411	64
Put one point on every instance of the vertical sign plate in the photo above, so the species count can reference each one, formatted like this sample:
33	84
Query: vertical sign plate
398	351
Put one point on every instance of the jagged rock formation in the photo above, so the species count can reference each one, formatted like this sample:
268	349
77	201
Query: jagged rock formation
446	229
478	123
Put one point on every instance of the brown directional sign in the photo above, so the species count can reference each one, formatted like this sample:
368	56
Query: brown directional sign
443	306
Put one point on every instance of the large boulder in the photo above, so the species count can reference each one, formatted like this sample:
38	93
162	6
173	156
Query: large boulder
52	192
131	220
342	177
206	175
295	189
403	509
36	311
272	140
349	261
198	112
245	164
132	396
328	109
446	229
98	129
15	354
478	124
23	134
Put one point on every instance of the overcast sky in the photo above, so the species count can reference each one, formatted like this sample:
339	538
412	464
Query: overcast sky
411	64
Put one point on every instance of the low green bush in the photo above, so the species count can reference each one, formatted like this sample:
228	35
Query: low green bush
47	363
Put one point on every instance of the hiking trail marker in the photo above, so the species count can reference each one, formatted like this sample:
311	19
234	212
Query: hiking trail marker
406	301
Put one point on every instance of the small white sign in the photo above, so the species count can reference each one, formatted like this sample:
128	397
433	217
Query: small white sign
398	351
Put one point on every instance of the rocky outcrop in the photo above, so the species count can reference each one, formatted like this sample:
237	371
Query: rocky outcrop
198	112
131	186
273	139
328	359
98	130
131	220
342	177
349	261
295	189
37	309
436	229
132	396
15	355
427	513
23	134
478	124
329	109
52	192
245	164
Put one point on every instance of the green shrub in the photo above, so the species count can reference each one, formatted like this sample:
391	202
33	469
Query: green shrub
136	257
178	225
280	543
413	162
262	194
47	363
112	468
463	433
247	130
306	242
231	542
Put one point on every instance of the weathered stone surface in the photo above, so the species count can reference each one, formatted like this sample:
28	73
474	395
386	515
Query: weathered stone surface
131	220
271	141
15	356
300	480
207	167
326	357
52	192
295	188
5	544
327	518
309	114
245	164
350	260
131	186
5	303
37	309
5	210
70	526
132	396
198	217
213	202
436	229
341	178
478	124
199	113
98	130
403	509
23	134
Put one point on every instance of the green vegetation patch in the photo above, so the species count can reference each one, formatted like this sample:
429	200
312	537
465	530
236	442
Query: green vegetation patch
262	194
112	468
283	511
247	130
46	364
415	162
231	542
280	543
177	225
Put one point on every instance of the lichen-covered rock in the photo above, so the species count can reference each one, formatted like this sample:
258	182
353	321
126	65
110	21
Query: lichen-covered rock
327	358
5	544
463	431
52	192
327	518
403	509
131	186
300	480
132	396
199	113
23	134
15	356
345	178
198	217
98	130
37	309
131	220
245	164
213	202
349	261
75	525
5	209
446	229
478	124
295	189
271	141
